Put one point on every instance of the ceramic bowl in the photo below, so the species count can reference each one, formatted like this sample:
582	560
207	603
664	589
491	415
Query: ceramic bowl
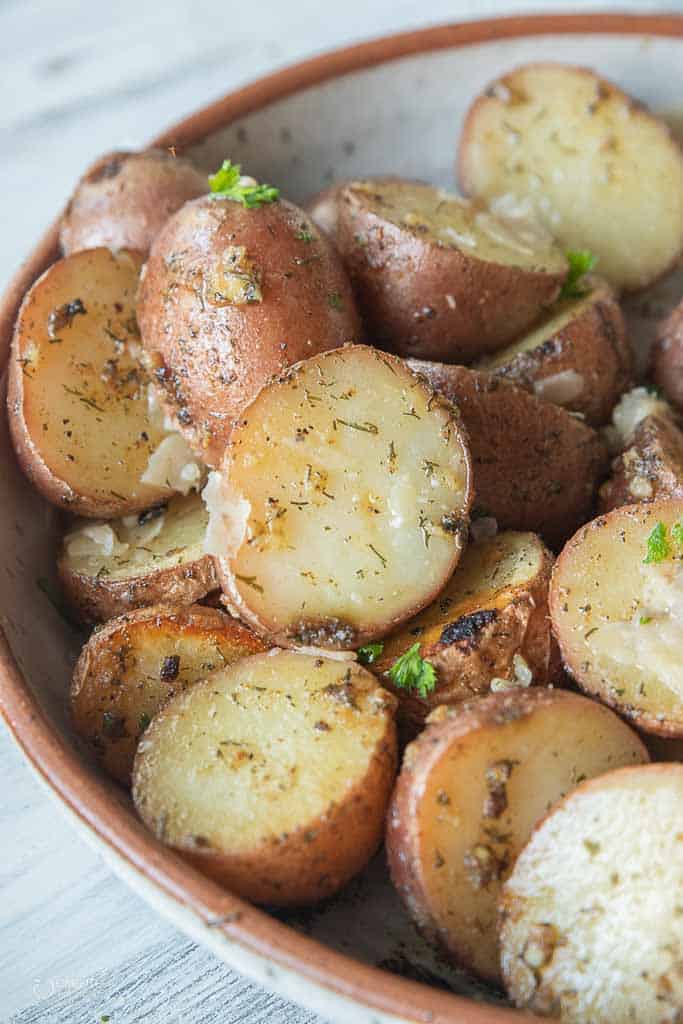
391	105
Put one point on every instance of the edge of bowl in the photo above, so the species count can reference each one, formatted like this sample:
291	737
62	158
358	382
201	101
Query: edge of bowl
96	805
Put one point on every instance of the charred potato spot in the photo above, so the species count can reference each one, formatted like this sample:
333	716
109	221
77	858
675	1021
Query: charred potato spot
336	484
472	787
283	764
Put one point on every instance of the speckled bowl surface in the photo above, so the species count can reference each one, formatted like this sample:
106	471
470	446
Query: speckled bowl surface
393	105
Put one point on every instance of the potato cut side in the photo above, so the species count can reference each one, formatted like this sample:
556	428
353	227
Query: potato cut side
78	405
132	666
667	357
592	926
617	617
155	557
535	466
439	277
650	468
589	162
273	776
342	505
471	789
488	626
578	357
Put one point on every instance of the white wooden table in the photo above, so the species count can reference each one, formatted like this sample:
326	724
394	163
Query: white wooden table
77	78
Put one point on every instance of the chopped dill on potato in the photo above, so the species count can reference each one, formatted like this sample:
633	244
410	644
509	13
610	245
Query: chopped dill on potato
412	672
227	183
658	547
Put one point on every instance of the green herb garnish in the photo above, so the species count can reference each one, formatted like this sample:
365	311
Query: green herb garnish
658	547
369	654
143	721
677	533
581	262
334	300
304	235
645	619
225	184
412	672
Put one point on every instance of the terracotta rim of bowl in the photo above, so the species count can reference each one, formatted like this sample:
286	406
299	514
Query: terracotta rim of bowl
98	804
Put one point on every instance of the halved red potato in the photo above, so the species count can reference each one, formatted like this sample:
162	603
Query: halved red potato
437	277
470	791
124	199
341	508
590	163
667	357
578	356
616	602
231	296
156	557
488	628
134	664
591	922
535	466
77	397
273	776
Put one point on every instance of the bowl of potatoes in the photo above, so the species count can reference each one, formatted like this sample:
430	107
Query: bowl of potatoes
341	589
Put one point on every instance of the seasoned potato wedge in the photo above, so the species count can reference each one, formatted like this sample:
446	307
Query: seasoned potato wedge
589	162
490	623
133	665
578	356
591	926
273	776
535	466
124	199
616	602
437	277
667	357
471	789
650	468
232	296
341	507
77	398
157	557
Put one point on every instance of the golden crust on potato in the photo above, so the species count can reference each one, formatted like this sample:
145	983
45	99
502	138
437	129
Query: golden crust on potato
77	397
273	776
230	297
591	923
470	791
650	468
137	662
157	557
667	357
124	199
341	508
489	623
591	164
616	602
439	278
577	357
535	466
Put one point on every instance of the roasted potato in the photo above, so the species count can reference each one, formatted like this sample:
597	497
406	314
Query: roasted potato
77	397
124	199
156	557
273	776
591	922
667	357
341	507
230	297
650	468
134	664
471	789
591	164
437	277
578	356
535	466
616	602
490	625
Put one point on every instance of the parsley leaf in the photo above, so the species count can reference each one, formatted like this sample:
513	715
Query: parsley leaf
581	262
412	672
369	654
658	547
677	533
225	184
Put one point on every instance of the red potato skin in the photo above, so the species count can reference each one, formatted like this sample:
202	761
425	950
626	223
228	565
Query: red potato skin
124	199
654	458
210	360
536	467
667	357
403	284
